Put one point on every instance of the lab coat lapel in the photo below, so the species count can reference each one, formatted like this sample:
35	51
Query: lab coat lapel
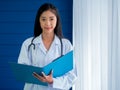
53	52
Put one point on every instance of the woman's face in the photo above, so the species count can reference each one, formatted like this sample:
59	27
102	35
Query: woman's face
48	22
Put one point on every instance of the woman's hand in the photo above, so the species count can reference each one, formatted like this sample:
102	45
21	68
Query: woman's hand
44	78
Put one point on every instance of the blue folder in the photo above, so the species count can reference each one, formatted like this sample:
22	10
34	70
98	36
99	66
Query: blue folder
60	66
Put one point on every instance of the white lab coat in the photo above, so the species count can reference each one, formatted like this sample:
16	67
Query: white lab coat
41	57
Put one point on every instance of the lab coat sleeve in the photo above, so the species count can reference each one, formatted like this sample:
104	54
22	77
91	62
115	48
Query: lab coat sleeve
24	55
66	81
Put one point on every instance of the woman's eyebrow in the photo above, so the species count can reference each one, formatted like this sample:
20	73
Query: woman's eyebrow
43	17
52	17
46	17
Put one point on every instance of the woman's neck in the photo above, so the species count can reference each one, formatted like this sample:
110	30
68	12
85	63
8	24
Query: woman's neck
48	37
47	40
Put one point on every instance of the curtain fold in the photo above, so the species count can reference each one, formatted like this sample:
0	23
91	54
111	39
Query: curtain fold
96	40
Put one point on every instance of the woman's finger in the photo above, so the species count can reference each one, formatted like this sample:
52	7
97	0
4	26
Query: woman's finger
38	76
43	74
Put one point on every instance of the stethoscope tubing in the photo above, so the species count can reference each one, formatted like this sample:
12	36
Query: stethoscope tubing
32	44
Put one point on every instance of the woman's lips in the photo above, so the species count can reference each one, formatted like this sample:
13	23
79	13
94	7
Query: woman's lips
48	28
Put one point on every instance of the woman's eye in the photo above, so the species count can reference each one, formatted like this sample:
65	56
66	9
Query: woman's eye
43	19
51	19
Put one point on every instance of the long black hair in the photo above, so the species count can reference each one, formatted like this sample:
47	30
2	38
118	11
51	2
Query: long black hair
53	9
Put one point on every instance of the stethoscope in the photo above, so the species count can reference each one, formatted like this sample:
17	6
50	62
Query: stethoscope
32	44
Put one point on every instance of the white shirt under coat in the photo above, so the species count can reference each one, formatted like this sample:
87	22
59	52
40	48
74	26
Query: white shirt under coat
41	57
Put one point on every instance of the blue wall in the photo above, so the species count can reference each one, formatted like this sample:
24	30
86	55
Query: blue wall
16	24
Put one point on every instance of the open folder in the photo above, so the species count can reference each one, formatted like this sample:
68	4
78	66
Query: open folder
60	66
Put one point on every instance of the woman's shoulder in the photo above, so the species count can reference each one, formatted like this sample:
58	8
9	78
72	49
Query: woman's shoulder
67	45
28	40
66	41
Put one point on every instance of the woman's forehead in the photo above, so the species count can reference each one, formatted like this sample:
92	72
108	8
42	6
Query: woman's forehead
48	13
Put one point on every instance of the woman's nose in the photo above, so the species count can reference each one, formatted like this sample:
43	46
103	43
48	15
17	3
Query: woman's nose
47	22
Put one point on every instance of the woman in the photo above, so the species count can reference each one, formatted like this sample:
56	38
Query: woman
47	45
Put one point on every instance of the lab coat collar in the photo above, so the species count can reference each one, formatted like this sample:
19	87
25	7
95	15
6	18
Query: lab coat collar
38	40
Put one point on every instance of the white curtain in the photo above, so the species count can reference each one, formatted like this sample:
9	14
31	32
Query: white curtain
96	40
